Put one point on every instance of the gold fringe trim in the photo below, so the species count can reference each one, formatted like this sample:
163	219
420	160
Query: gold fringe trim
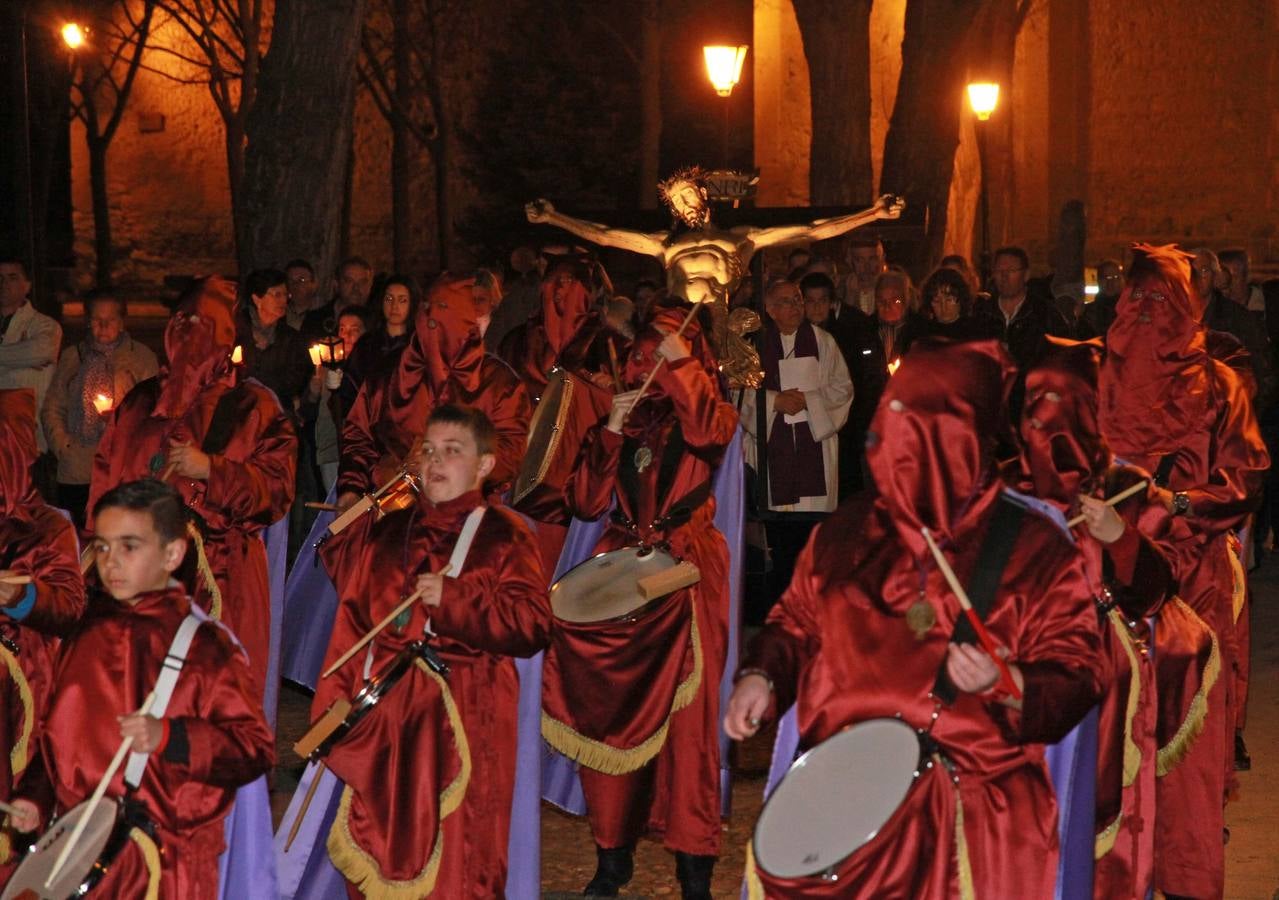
1105	839
20	755
1132	753
6	847
1175	750
964	866
363	870
206	573
754	887
151	856
615	761
1239	591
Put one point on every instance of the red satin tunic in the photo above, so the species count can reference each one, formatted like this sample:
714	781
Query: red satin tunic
839	645
418	784
614	686
106	670
250	485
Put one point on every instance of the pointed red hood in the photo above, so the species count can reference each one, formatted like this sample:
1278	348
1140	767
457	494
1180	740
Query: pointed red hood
17	451
197	343
446	340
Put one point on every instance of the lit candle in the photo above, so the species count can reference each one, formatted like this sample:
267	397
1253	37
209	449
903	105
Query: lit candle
892	366
102	403
237	355
317	354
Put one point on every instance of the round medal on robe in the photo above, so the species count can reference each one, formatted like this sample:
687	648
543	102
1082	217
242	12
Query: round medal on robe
643	459
920	618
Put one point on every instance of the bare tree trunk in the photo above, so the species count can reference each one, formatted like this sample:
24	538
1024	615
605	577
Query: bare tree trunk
103	253
401	139
919	151
235	162
299	131
650	102
836	36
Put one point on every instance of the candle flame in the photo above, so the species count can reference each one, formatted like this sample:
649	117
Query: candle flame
894	365
102	403
317	354
237	355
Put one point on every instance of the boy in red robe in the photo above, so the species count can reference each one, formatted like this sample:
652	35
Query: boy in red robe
430	771
36	542
212	737
444	363
1065	461
639	709
227	447
1170	408
867	623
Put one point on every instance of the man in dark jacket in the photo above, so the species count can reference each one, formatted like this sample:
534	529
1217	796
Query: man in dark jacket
1028	317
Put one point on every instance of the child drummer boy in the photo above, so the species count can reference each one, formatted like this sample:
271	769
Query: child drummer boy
429	773
211	737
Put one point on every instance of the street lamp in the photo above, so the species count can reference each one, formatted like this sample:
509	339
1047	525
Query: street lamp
73	35
983	97
724	69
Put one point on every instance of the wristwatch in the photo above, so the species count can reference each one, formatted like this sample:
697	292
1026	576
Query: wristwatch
1180	503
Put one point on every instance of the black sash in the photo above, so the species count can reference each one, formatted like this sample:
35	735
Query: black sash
984	582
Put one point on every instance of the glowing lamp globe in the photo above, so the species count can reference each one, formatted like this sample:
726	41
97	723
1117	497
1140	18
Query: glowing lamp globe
983	97
724	67
73	35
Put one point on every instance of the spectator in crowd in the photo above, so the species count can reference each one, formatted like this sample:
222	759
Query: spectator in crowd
1243	292
273	352
1027	317
866	255
1110	284
90	379
354	281
806	393
948	310
304	291
378	352
328	409
797	262
619	316
647	292
961	265
29	342
1221	313
520	296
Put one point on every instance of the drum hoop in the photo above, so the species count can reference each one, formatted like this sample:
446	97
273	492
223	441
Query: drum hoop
639	611
914	782
369	696
126	819
521	490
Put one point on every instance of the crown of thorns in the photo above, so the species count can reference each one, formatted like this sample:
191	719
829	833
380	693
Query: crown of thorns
694	175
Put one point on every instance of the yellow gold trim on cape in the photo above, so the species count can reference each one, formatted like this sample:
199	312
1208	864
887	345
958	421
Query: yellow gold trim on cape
1104	842
1176	749
19	754
359	867
616	761
754	887
964	867
1239	590
1132	753
206	573
151	857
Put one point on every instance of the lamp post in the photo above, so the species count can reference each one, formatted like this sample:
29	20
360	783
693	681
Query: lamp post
983	97
724	69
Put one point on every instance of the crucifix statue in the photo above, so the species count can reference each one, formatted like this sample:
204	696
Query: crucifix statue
705	264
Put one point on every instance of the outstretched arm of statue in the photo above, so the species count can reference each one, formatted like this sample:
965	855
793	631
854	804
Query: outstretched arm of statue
886	207
542	212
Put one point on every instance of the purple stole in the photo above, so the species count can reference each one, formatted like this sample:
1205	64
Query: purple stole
795	465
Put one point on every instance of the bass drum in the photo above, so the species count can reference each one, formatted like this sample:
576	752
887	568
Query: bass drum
607	586
103	838
835	798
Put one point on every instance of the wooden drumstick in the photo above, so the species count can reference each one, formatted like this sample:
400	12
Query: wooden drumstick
1111	501
15	579
376	629
983	636
306	804
87	557
613	366
639	395
322	507
9	809
125	746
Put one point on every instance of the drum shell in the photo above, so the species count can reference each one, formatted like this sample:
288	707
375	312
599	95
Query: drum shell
103	844
608	582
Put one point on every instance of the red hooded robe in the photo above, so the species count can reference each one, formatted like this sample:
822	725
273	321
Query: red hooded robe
1164	398
838	644
637	704
35	540
252	452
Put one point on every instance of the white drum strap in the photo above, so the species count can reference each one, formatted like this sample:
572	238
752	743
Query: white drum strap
174	660
456	562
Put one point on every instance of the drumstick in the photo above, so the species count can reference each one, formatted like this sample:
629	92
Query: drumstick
376	629
15	579
653	371
87	556
983	636
322	507
125	746
613	366
1111	501
9	809
306	804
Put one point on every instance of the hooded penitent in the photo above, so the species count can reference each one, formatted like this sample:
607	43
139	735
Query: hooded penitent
17	452
198	342
1155	385
931	445
1062	447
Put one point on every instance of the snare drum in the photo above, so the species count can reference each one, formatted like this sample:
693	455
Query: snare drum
103	839
835	798
610	585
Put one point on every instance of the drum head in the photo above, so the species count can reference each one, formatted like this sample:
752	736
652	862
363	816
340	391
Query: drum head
605	586
544	432
835	798
31	874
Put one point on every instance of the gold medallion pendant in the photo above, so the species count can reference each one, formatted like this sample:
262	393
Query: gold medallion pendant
920	618
643	459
